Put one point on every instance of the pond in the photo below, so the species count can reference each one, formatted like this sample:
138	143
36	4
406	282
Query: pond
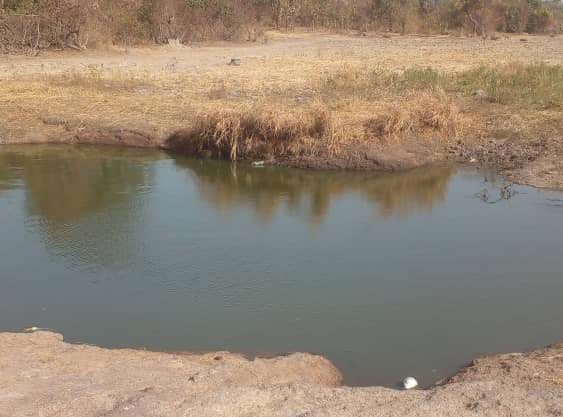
385	274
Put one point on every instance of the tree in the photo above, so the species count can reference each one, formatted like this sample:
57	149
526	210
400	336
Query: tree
476	10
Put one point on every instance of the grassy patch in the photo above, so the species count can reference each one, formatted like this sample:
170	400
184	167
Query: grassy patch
98	80
537	85
378	82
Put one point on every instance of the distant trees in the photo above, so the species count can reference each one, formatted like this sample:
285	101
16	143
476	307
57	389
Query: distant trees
63	23
35	24
21	6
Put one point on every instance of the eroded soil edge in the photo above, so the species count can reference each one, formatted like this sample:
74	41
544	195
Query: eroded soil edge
40	374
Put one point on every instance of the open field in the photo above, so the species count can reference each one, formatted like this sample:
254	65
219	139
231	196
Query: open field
311	100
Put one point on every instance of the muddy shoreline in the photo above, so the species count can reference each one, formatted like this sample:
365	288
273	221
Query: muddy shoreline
40	374
536	164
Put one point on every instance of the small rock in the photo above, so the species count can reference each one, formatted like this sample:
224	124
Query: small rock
235	61
480	94
472	406
54	120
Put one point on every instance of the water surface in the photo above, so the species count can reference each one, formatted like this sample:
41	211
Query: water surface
387	275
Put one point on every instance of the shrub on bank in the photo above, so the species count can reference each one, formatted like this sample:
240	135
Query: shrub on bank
251	134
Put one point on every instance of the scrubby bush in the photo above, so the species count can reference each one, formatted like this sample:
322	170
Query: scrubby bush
512	20
538	20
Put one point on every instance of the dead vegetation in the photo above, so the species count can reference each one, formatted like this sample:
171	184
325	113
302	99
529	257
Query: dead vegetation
253	133
265	133
429	114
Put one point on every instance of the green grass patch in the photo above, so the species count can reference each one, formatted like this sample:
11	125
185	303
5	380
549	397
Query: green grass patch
535	85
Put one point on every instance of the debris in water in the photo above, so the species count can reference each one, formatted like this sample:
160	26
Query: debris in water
410	383
506	192
31	329
473	160
36	329
258	164
554	202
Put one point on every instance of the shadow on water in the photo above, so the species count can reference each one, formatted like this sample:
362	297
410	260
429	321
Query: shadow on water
226	186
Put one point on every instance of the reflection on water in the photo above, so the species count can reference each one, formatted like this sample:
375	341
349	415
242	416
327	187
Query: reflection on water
226	186
68	189
65	184
9	171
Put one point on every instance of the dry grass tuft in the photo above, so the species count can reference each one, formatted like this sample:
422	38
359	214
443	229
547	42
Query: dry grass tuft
252	134
428	114
98	80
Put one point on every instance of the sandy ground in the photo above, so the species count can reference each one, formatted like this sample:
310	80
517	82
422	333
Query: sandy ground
397	52
40	375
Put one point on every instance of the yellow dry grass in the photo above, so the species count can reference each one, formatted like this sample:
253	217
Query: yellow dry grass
253	133
280	92
427	113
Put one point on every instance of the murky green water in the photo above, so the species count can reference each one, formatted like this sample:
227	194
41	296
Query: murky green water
388	275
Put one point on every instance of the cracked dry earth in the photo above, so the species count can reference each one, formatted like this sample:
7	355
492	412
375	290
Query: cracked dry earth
41	375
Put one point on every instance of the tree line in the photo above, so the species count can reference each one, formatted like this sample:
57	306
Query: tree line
77	23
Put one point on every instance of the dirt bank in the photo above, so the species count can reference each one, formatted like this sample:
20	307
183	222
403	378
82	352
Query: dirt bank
42	375
331	101
536	161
